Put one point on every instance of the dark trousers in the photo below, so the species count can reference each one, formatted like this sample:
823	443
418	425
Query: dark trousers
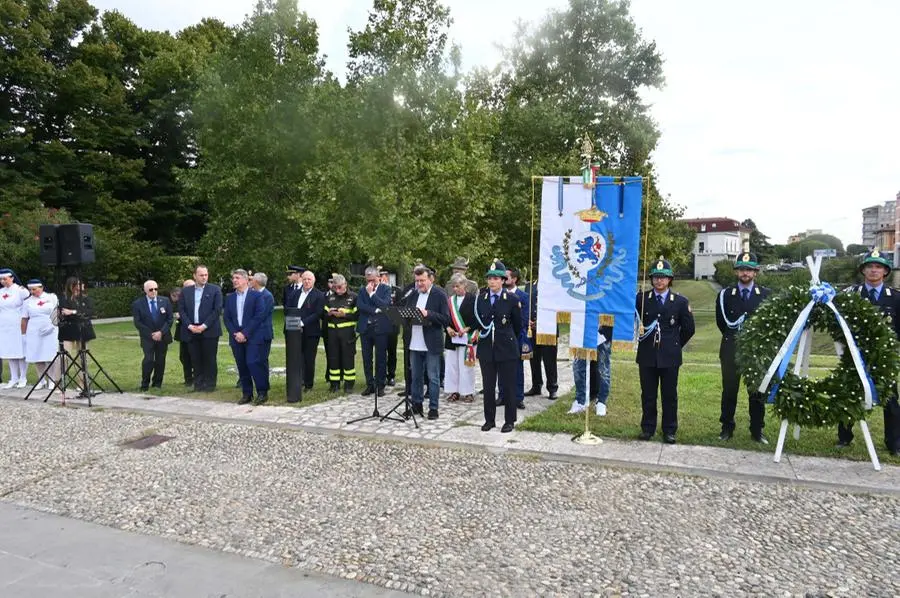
325	333
503	372
546	355
891	426
731	383
392	354
184	355
341	353
154	362
310	352
204	352
293	371
666	380
374	348
519	385
250	360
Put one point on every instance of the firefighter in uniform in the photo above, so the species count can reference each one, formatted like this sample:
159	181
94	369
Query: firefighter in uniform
875	268
733	306
340	320
667	324
498	319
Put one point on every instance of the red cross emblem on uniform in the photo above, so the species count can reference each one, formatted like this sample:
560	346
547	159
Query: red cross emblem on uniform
41	303
6	295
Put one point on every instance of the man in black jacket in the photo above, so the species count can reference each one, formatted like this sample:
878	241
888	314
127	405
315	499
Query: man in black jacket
152	316
733	306
311	304
667	326
426	344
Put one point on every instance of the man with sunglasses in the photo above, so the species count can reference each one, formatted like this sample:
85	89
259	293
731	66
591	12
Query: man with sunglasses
152	316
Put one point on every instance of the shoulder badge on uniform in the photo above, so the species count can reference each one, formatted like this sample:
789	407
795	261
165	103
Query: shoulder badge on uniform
733	291
672	296
887	291
756	289
690	309
504	295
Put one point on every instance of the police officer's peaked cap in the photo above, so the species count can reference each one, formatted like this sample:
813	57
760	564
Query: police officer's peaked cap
662	268
875	257
746	261
496	269
297	269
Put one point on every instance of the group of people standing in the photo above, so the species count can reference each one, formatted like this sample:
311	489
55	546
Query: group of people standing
33	323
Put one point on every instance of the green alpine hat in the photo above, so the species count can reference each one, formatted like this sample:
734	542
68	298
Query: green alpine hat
746	261
662	268
497	269
875	257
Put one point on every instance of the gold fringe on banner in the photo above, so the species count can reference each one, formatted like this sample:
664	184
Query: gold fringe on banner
623	346
563	317
545	339
607	319
589	354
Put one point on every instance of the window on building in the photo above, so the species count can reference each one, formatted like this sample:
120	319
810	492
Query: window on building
701	246
702	228
714	225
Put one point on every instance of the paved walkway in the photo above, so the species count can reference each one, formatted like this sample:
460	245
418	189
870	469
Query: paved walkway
459	426
43	555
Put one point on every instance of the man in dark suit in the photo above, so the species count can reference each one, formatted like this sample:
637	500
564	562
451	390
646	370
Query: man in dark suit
152	316
201	308
427	339
545	355
394	334
374	327
733	306
667	325
244	315
310	302
875	268
258	283
498	317
184	355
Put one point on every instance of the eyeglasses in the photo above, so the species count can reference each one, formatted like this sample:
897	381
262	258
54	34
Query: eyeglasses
151	290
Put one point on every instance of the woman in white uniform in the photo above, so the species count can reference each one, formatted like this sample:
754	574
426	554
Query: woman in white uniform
12	347
41	335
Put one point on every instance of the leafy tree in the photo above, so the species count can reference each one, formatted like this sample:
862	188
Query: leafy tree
857	249
830	241
759	243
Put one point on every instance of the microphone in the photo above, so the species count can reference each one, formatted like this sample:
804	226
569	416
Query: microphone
408	293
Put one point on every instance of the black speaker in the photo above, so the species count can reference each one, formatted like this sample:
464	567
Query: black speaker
76	244
47	238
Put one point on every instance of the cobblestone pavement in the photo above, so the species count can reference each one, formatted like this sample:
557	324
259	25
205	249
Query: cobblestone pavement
445	522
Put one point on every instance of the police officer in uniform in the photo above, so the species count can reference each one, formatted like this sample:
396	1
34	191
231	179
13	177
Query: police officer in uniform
875	268
498	318
340	320
733	306
667	324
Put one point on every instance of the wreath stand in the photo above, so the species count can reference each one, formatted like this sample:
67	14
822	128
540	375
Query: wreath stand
801	368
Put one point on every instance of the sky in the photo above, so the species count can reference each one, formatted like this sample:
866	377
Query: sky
786	112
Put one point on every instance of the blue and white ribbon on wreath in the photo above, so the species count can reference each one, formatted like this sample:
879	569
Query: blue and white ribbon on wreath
736	325
820	293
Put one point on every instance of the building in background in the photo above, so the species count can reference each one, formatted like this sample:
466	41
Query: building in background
878	219
717	239
800	236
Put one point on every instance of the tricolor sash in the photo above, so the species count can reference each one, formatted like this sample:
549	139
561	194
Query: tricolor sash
459	325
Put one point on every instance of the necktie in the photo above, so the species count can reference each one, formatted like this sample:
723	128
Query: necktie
745	294
493	298
873	295
659	299
153	307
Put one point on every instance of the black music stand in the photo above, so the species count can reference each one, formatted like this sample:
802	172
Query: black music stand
402	315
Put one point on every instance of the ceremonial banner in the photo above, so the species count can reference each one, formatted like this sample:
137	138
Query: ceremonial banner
588	259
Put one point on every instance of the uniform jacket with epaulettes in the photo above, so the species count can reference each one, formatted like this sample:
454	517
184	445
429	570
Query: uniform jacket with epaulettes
735	307
888	303
676	327
502	343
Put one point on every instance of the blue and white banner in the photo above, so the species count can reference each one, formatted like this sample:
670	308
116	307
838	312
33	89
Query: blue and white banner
590	239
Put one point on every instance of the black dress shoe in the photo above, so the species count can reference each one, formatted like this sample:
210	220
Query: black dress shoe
307	388
725	435
759	438
380	391
245	399
894	452
144	388
520	405
432	414
553	396
534	391
417	409
294	400
842	444
188	382
645	436
156	385
487	426
507	428
369	390
390	382
669	438
499	402
261	398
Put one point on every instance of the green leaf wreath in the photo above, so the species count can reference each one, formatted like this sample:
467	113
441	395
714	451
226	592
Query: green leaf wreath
838	397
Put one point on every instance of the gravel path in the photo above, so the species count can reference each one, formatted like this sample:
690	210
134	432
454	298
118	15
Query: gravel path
439	522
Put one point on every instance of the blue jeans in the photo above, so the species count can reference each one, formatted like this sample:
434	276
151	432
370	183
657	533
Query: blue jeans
600	376
420	362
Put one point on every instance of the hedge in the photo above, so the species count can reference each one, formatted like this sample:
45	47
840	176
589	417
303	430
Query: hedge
114	302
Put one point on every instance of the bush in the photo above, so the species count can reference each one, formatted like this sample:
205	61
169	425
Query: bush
113	302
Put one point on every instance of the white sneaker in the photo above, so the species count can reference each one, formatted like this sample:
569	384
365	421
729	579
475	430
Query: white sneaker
9	384
577	407
42	385
601	409
22	383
